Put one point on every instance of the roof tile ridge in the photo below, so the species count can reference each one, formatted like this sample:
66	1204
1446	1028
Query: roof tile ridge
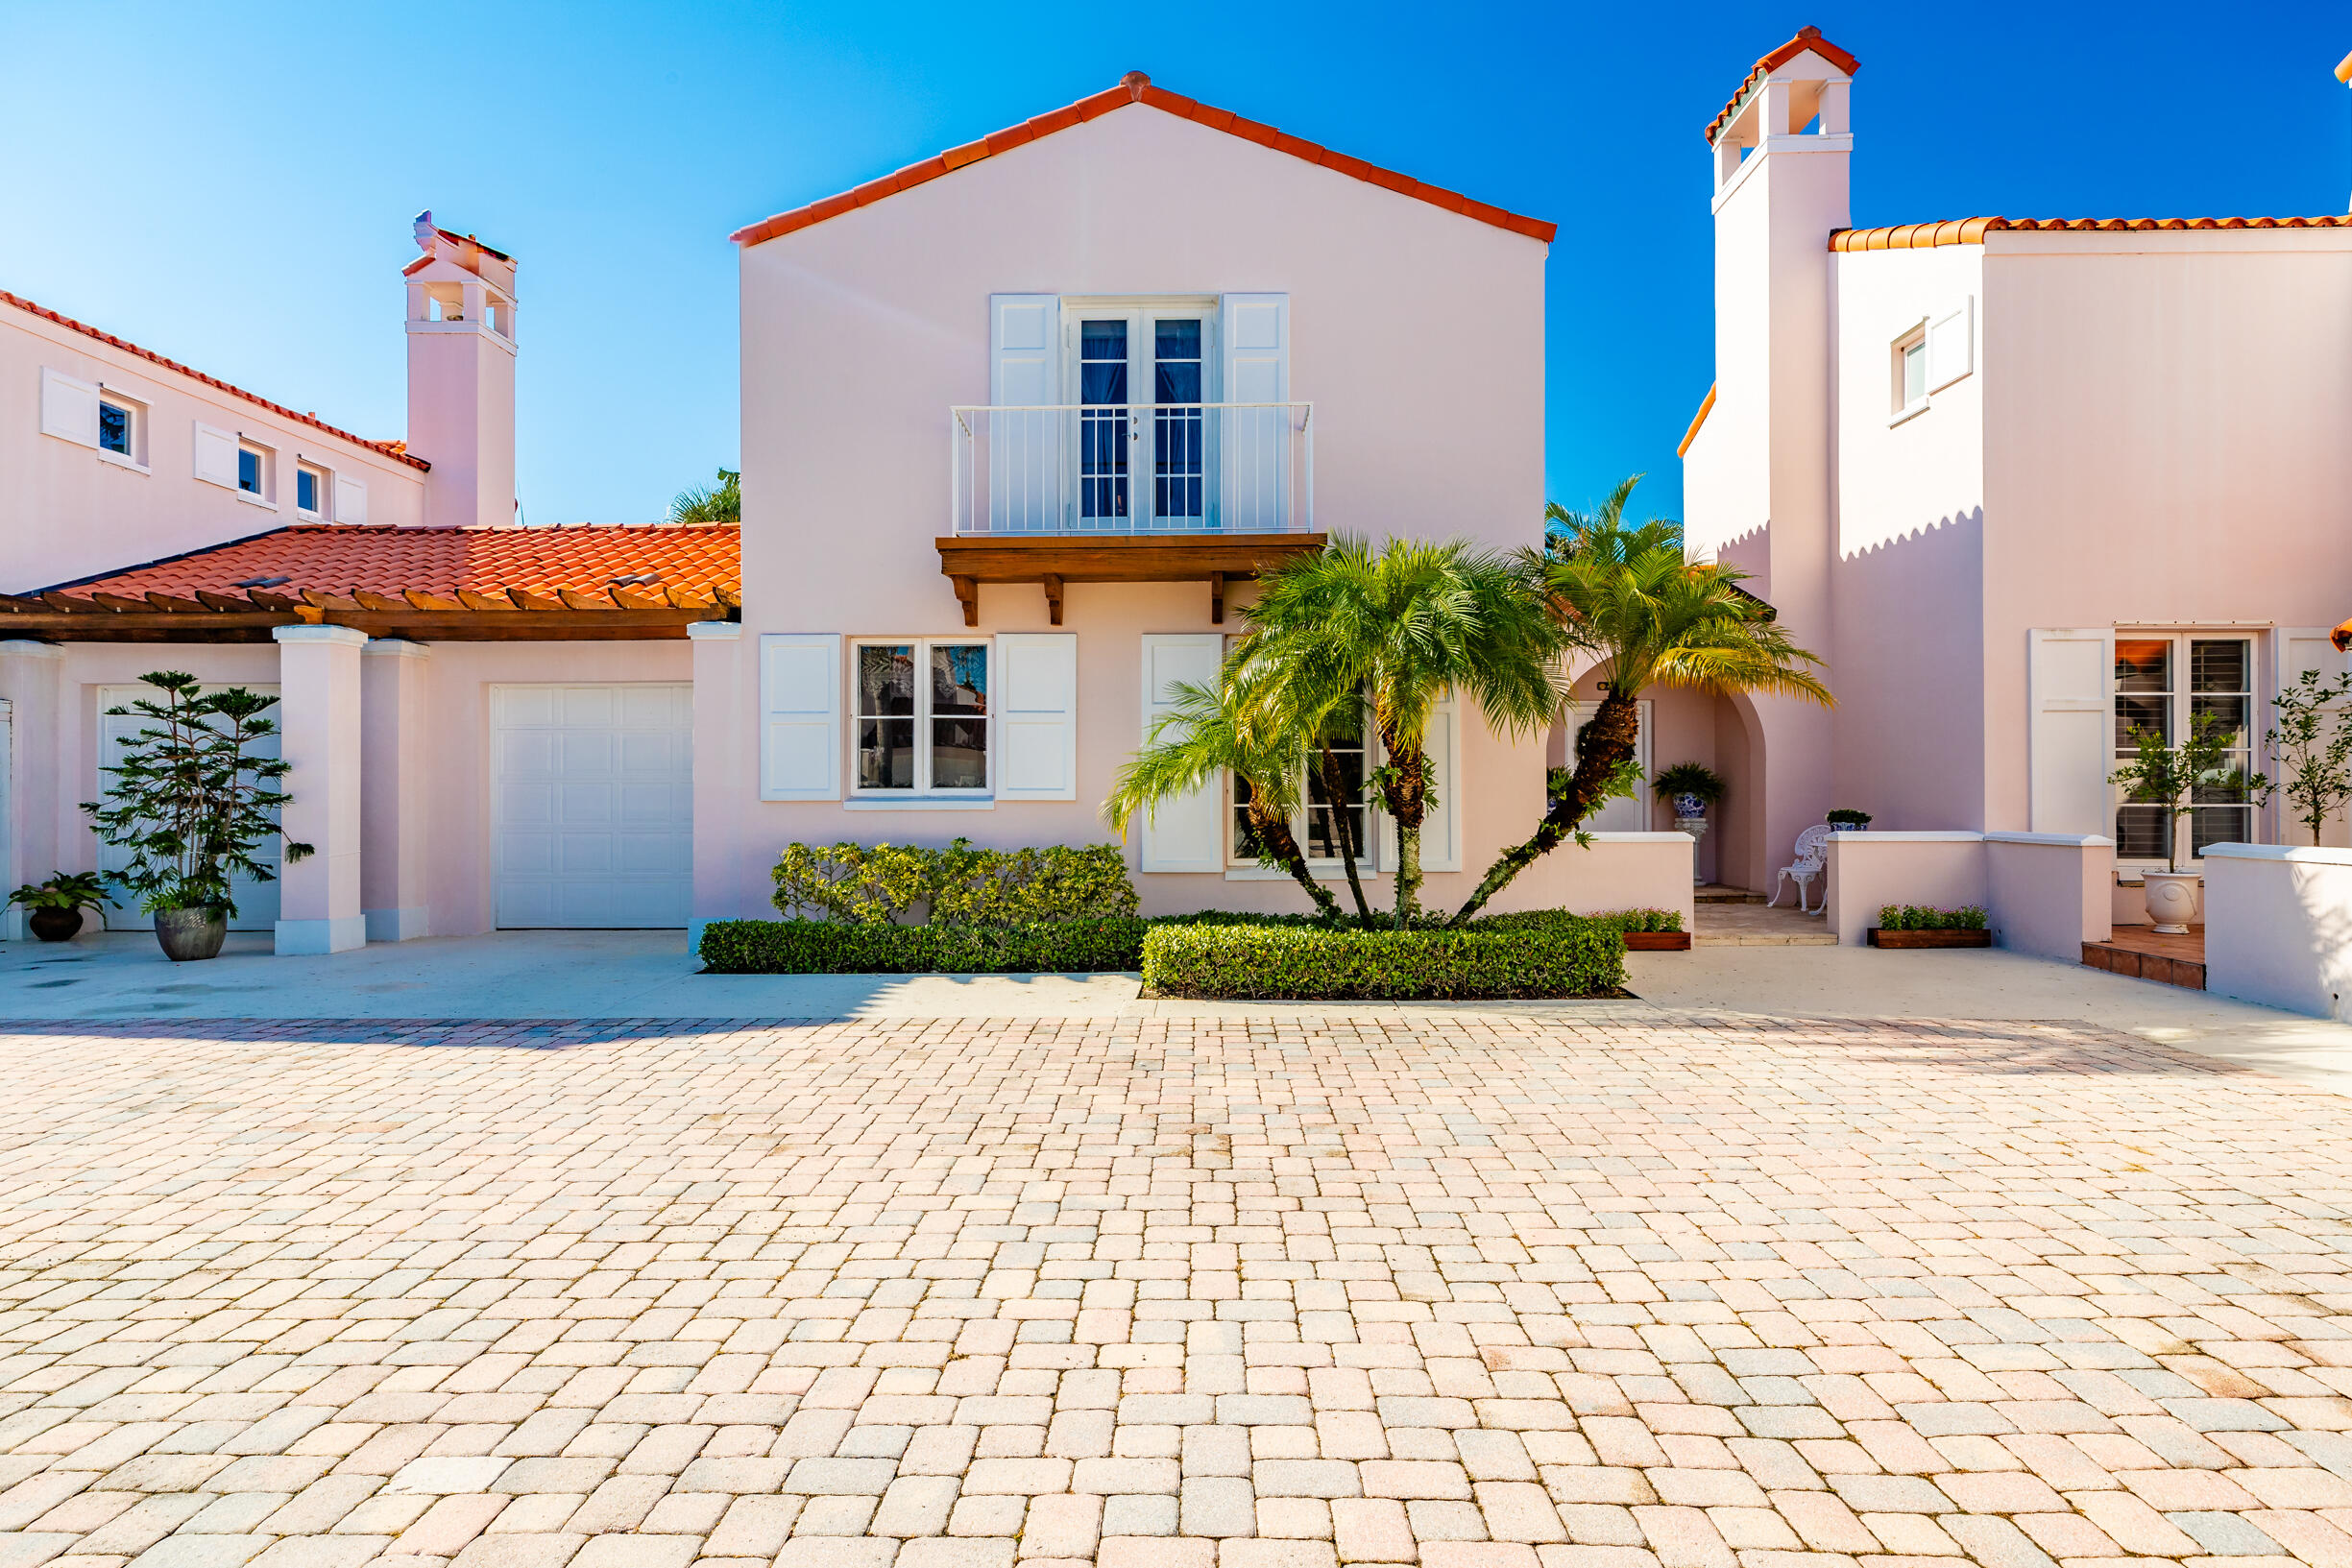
385	447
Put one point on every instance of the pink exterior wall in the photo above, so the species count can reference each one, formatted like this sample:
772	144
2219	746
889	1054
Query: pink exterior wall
1416	333
2282	929
65	512
1869	870
2048	892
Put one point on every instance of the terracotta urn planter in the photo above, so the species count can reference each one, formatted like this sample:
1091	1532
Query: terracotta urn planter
2171	900
186	935
54	925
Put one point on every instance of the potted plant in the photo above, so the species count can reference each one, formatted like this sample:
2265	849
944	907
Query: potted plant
1917	925
1845	819
53	910
1691	788
2175	778
191	803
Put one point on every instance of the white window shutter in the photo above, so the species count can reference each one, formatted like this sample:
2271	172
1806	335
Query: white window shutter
69	408
350	499
800	716
1025	450
1254	332
1187	833
216	456
1441	823
1951	344
2070	679
1036	708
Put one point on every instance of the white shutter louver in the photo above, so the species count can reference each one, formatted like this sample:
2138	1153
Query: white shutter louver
800	716
1951	344
1187	833
1037	715
69	408
1254	456
2069	677
350	499
216	456
1025	450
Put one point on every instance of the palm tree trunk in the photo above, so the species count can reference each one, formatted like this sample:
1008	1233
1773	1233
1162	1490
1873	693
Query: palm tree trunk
1344	828
1274	833
1408	802
1602	746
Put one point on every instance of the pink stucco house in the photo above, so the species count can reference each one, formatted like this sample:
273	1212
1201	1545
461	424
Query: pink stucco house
1020	424
2023	483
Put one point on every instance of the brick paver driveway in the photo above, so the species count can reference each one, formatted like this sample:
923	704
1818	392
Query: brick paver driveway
1457	1289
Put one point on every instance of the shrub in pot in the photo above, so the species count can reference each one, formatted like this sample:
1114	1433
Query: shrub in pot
53	910
1848	820
2197	772
1689	786
191	802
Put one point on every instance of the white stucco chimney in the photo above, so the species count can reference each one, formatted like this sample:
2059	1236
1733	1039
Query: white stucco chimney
461	377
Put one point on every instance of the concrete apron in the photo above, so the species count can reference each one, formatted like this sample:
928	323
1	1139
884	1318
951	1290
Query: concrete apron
122	977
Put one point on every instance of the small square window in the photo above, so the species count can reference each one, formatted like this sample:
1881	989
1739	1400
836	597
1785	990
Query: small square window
311	489
113	428
253	477
122	428
1910	373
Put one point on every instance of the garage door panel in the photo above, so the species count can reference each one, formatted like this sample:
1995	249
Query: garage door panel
594	793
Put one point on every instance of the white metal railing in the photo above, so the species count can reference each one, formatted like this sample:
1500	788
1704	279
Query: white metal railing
1133	469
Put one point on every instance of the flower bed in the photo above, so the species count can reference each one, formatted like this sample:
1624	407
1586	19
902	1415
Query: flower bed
1915	926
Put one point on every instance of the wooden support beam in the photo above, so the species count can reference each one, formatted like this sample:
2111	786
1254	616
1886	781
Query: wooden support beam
1217	599
967	591
1053	597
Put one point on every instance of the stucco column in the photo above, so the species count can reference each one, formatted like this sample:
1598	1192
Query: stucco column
319	701
395	739
33	685
724	717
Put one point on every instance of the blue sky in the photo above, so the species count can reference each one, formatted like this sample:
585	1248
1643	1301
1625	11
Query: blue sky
232	187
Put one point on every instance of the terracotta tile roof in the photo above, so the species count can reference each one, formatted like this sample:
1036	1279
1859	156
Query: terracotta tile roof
1807	37
1705	407
1920	236
438	569
1136	87
395	449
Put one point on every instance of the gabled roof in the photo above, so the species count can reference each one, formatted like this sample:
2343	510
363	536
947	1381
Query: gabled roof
1136	87
588	568
396	450
1807	37
1921	236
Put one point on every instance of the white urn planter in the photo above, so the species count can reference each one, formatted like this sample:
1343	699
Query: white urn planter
2171	900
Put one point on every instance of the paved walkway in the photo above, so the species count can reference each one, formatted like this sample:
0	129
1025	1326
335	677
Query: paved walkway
1468	1290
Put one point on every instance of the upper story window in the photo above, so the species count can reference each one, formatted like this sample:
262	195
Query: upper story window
314	490
2163	682
922	718
93	415
1142	378
122	428
256	480
1910	377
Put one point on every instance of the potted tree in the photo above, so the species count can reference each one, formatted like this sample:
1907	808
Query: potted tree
53	910
191	802
2172	776
2313	746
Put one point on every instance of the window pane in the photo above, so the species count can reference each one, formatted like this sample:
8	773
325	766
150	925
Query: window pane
959	753
2140	833
2143	664
886	754
2218	666
2229	712
249	472
1914	374
1102	438
1345	736
960	707
305	489
114	429
2220	824
1246	846
1175	362
885	680
2140	713
1102	362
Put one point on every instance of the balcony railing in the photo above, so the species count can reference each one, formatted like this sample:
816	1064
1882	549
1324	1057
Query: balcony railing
1133	468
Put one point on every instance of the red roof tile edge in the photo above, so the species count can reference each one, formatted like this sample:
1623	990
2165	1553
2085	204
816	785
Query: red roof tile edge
389	448
1807	37
1921	236
1136	87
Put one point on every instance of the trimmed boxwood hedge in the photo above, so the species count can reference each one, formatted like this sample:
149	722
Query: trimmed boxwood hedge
1253	963
831	947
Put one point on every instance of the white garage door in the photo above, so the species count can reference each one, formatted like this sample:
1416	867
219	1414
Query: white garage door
593	805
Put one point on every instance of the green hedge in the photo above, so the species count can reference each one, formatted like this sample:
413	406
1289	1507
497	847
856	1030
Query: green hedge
1914	917
1250	963
957	885
827	947
1616	920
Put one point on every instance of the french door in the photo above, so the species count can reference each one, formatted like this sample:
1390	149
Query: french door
1143	435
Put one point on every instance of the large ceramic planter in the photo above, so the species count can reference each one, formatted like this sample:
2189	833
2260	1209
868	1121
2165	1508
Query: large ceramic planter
189	934
2171	900
54	925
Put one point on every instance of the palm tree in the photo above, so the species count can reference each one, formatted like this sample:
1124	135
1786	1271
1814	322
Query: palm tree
1204	735
720	503
1401	625
1651	617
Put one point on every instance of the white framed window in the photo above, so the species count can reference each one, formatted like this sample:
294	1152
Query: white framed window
256	472
122	429
1142	373
314	490
1908	389
922	721
1355	746
2164	681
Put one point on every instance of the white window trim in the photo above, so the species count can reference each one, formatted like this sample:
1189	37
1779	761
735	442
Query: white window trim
325	477
136	460
2262	649
267	472
923	797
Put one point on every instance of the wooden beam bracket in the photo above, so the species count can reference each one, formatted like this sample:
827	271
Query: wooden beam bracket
1053	597
1217	599
967	591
